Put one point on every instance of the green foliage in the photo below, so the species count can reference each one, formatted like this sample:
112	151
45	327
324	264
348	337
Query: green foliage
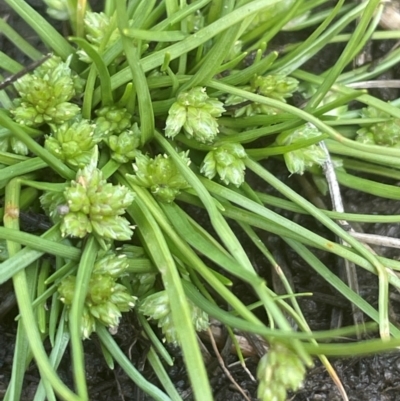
3	250
273	11
203	96
142	283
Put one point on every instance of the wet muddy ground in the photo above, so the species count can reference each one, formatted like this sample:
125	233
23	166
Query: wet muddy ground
374	378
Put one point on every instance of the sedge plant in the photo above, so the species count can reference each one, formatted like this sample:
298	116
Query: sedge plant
148	108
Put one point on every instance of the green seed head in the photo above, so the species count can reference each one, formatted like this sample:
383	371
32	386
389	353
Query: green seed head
111	264
157	307
112	120
275	86
160	175
196	113
279	370
226	160
57	9
66	290
45	94
73	143
384	134
298	161
95	205
124	147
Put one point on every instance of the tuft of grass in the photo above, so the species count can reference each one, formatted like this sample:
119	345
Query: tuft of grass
151	107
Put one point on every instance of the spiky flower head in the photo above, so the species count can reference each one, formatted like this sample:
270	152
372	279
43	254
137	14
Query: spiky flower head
97	28
111	264
88	325
270	12
142	273
157	307
106	299
279	370
297	161
54	204
18	147
385	133
195	21
112	120
160	175
10	143
101	288
45	94
96	206
66	289
3	250
124	147
90	204
143	282
58	9
196	113
226	160
73	143
96	24
278	87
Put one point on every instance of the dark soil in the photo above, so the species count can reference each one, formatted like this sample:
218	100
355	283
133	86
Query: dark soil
374	378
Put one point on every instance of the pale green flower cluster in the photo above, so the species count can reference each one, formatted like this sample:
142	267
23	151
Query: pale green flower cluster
106	299
386	133
157	307
196	114
58	9
160	175
45	94
226	160
112	120
124	147
297	161
98	26
8	143
277	87
73	143
279	370
91	205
